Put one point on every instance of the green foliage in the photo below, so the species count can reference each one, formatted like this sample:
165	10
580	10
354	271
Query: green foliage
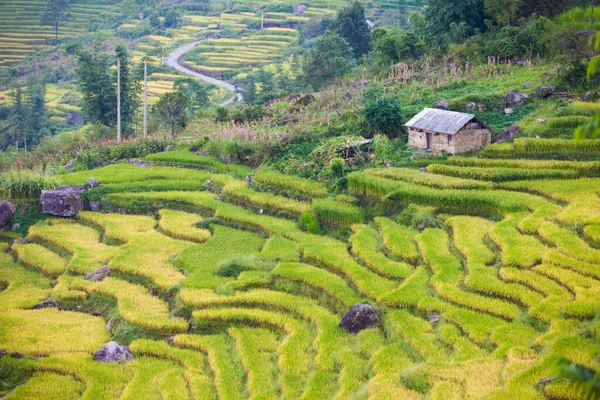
351	24
385	115
172	110
57	14
331	58
308	222
584	379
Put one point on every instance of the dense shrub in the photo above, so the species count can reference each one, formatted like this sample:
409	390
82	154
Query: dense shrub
385	115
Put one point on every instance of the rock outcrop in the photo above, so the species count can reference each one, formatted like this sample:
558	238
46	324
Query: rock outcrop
7	211
442	105
64	201
50	303
98	275
360	316
515	99
113	352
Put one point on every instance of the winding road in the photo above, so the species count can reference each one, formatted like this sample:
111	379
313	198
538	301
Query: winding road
173	61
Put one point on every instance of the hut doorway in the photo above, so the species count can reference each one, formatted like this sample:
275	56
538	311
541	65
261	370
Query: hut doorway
429	139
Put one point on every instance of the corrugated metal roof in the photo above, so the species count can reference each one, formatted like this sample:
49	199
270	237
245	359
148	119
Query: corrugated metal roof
432	119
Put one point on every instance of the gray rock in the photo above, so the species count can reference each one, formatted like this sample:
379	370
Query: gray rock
91	183
76	118
98	275
542	120
422	169
113	352
95	205
471	106
168	148
586	96
348	96
360	316
3	353
7	211
545	91
514	99
15	227
433	318
298	10
136	163
508	111
62	202
50	303
248	179
527	85
442	105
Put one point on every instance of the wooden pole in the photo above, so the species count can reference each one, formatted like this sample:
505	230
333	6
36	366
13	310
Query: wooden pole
118	100
145	98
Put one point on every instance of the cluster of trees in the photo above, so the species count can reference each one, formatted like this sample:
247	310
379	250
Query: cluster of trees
25	122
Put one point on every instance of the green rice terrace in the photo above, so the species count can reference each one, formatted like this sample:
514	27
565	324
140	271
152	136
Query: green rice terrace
230	283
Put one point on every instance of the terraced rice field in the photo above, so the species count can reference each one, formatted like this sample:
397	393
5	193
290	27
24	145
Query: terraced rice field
251	303
21	33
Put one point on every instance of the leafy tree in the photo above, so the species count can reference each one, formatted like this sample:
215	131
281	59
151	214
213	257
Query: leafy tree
439	14
329	59
250	95
98	87
385	115
130	89
547	8
171	110
197	92
154	21
591	130
35	102
95	84
392	47
503	11
351	24
56	14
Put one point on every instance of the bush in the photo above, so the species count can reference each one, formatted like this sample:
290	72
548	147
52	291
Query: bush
385	115
308	222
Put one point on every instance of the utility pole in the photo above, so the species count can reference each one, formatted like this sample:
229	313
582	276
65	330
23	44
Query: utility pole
25	142
145	97
118	100
262	22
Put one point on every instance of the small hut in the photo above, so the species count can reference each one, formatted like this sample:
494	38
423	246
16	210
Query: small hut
447	131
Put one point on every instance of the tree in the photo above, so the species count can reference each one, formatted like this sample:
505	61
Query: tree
197	92
547	8
503	11
329	59
130	89
439	14
171	110
392	47
35	103
385	115
351	24
96	87
56	14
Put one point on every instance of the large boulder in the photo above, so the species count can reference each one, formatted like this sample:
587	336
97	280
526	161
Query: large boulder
471	106
7	211
545	91
442	105
360	316
514	99
113	352
64	201
98	275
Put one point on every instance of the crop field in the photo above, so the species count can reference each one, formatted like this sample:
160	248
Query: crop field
219	291
21	33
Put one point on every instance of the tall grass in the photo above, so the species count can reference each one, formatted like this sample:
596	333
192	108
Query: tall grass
26	184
